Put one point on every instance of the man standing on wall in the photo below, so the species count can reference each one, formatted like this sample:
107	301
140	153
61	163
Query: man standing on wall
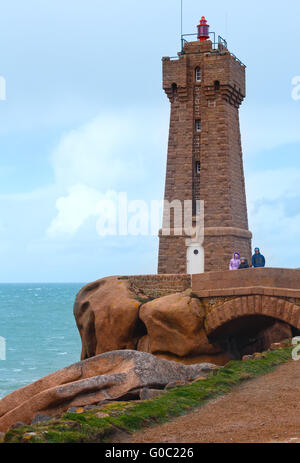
258	259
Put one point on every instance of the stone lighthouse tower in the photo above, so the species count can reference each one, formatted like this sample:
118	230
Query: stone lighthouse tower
206	86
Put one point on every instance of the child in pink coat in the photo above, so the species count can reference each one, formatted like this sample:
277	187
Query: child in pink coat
235	261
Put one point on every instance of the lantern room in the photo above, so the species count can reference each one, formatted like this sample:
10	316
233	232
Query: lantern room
203	29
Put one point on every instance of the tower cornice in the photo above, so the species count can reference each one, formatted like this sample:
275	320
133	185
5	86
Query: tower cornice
228	92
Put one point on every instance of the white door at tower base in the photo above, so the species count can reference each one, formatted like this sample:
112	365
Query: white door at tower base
195	259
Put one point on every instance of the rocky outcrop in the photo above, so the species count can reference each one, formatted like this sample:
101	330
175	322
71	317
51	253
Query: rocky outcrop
112	314
273	334
175	327
106	314
109	376
277	332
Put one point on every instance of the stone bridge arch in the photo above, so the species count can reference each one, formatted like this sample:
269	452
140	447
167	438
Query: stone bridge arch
245	306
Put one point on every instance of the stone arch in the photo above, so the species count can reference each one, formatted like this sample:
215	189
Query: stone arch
243	306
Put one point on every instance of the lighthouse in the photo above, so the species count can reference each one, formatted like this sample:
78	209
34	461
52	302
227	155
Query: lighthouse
205	85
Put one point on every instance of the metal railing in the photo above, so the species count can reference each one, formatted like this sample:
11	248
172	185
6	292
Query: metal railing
215	44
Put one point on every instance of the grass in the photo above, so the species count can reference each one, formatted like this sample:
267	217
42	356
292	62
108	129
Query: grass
132	416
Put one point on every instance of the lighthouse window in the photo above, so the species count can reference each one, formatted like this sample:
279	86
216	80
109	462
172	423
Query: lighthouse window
217	85
198	74
198	125
174	89
198	167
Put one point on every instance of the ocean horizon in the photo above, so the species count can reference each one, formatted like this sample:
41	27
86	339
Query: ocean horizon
38	325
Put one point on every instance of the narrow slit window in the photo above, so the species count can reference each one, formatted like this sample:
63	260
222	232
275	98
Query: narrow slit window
217	85
198	74
198	125
174	89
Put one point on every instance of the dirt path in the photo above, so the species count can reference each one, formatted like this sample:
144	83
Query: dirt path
266	409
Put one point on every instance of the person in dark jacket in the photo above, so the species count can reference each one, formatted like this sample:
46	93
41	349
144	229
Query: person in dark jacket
258	259
244	263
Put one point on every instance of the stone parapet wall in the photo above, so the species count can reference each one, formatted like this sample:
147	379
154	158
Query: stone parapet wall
160	285
273	279
252	281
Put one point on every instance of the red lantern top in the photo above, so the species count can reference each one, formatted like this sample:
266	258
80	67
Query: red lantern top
203	29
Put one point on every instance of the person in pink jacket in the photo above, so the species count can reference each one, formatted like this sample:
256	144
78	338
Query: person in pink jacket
235	261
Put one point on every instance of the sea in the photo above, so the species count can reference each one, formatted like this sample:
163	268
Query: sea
38	333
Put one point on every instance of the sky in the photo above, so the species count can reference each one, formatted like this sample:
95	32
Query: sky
85	119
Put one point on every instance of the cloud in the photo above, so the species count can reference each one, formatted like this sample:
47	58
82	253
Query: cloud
266	127
273	184
80	204
110	150
108	154
274	214
35	195
94	154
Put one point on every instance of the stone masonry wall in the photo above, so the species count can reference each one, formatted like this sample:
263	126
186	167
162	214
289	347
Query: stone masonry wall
276	282
160	285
